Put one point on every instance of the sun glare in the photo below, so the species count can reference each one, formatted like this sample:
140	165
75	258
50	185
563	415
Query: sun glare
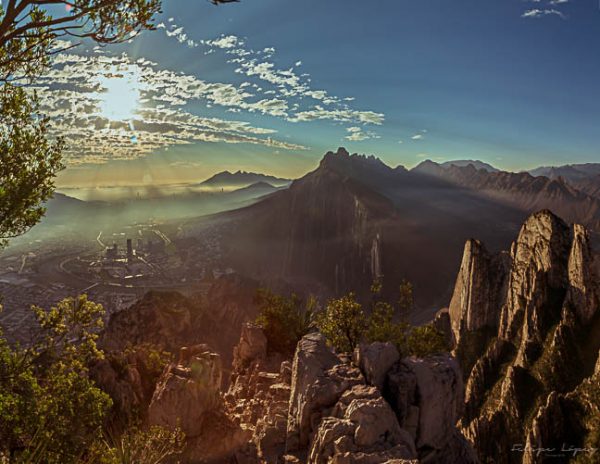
119	98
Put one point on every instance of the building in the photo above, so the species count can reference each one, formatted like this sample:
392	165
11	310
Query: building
129	250
112	253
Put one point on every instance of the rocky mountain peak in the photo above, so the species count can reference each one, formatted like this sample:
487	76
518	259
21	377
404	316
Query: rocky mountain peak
529	313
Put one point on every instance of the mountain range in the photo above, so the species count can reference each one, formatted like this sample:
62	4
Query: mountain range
227	179
354	220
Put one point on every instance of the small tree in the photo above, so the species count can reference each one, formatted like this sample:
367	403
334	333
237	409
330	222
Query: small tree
343	322
50	410
426	340
382	327
405	300
284	320
28	165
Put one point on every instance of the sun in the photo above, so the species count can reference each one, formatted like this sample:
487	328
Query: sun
119	97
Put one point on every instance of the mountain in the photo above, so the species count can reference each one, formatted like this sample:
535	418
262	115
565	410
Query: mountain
523	191
571	172
476	164
239	179
589	186
354	219
526	326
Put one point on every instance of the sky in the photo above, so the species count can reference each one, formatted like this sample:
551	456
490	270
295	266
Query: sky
271	85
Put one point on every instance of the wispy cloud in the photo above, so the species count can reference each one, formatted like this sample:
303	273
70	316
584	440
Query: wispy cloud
358	134
72	93
538	13
177	32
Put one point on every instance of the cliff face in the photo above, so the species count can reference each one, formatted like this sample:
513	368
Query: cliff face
537	354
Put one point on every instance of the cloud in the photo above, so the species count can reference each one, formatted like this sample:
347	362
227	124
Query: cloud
538	13
357	134
309	104
341	115
74	91
177	32
80	89
418	137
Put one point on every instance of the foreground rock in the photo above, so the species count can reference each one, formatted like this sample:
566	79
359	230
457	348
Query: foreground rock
188	396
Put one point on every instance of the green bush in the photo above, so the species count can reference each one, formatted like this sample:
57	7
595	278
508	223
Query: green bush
50	410
343	322
284	320
154	445
382	328
426	340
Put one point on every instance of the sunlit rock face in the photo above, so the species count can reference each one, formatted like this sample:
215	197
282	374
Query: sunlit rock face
397	410
479	290
528	376
188	396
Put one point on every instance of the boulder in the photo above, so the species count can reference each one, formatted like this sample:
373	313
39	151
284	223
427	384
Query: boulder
318	381
252	345
187	391
374	361
362	428
427	396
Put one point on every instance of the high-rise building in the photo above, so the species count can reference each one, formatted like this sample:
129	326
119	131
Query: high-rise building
129	250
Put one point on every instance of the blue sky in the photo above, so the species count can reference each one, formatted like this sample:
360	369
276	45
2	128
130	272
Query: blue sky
511	82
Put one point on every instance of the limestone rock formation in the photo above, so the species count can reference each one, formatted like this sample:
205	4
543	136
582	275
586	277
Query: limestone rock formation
188	396
318	381
375	360
362	422
525	386
479	290
337	414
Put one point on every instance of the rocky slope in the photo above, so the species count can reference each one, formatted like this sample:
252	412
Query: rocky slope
527	327
326	408
369	408
169	320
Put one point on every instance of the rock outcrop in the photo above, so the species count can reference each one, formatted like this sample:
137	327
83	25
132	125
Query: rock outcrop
479	290
395	410
188	396
521	392
327	408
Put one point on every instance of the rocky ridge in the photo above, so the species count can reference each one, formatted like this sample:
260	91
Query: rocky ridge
535	318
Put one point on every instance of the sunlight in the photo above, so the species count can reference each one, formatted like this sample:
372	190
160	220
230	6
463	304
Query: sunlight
120	95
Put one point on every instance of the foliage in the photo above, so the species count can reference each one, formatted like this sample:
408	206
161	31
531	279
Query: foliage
382	328
29	31
29	162
426	340
343	322
405	299
152	446
284	320
50	411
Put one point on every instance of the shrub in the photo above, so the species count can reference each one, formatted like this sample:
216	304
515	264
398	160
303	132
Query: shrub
382	327
426	340
343	322
50	410
284	320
